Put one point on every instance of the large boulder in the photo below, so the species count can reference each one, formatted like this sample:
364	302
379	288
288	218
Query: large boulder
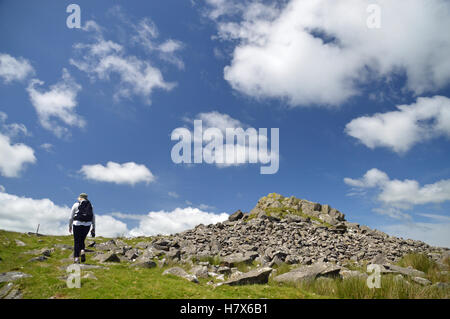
311	272
256	276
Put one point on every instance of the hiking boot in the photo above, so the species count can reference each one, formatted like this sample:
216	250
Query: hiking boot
83	258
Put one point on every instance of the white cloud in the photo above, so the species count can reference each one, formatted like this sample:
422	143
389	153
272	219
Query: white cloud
178	220
56	107
102	58
173	194
402	194
322	52
13	129
12	69
2	189
14	157
127	173
23	214
400	130
47	147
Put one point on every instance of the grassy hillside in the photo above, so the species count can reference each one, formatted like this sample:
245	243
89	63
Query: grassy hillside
121	281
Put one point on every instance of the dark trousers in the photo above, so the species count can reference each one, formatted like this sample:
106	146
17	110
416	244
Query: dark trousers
79	235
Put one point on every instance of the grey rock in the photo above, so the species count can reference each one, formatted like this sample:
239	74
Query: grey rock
256	276
180	272
421	281
20	243
200	271
38	258
144	262
236	216
12	276
237	258
6	289
107	257
310	272
404	271
14	294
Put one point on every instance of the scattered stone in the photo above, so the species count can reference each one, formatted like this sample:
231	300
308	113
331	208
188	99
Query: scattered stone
38	258
144	262
14	294
89	276
5	289
63	246
12	275
404	271
200	271
237	258
107	257
236	216
180	272
256	276
224	270
20	243
421	281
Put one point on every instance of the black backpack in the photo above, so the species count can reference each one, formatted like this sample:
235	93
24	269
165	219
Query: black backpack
85	213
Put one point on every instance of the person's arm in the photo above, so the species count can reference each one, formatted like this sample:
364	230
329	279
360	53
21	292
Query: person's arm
93	219
72	214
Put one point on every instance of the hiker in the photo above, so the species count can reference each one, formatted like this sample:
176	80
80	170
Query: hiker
82	218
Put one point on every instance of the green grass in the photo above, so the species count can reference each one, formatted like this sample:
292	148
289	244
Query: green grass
121	281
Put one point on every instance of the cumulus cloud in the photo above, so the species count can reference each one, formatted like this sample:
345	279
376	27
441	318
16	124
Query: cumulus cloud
404	193
126	173
14	69
322	52
56	107
178	220
103	58
24	214
14	157
400	130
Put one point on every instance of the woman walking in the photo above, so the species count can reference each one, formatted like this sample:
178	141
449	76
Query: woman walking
82	218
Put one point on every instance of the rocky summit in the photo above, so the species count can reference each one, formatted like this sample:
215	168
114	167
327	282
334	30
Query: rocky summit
294	231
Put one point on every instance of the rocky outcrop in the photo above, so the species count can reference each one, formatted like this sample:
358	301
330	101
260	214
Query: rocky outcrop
293	231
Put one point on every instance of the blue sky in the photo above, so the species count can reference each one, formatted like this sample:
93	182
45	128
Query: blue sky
364	120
